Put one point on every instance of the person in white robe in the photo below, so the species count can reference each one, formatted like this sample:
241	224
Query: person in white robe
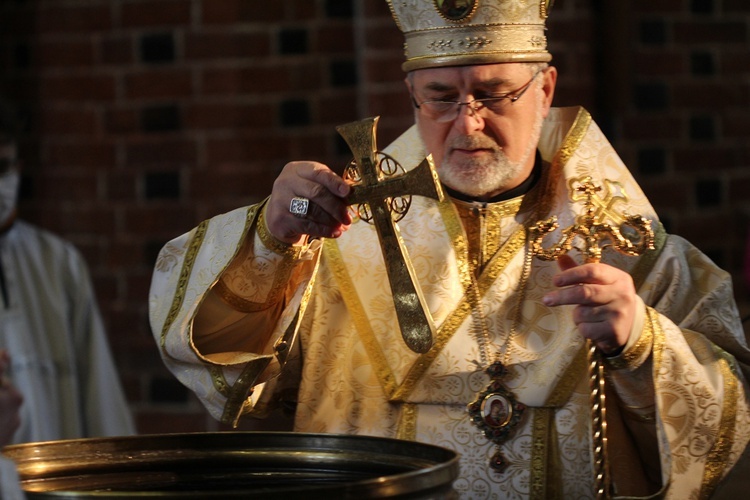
51	327
286	304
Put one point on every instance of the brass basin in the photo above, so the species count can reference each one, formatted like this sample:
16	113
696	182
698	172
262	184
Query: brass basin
235	465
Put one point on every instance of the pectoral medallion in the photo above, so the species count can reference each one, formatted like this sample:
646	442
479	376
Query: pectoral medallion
496	412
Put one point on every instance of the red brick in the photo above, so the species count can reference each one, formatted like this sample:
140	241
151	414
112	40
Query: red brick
90	87
217	46
734	62
659	7
229	115
384	37
159	83
242	11
246	147
339	109
260	79
156	218
735	125
67	121
65	54
734	6
62	186
389	103
738	190
86	218
120	186
117	50
125	254
662	63
313	146
81	153
376	8
335	39
167	151
137	284
74	18
717	95
652	128
301	9
695	159
121	120
307	76
237	184
710	32
156	13
669	193
384	69
703	228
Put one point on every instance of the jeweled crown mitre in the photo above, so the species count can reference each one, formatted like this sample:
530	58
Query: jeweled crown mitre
463	32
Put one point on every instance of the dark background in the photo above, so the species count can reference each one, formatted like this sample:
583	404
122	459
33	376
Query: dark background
148	116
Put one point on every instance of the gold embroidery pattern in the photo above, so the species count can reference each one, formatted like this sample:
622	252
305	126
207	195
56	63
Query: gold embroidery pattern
252	264
542	421
332	253
187	267
542	481
241	389
237	303
217	377
270	241
718	457
634	357
407	424
642	269
573	139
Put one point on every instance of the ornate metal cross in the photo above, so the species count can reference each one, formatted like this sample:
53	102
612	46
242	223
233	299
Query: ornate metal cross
590	228
380	194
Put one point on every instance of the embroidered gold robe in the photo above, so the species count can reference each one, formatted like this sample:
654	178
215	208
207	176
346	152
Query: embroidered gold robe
246	322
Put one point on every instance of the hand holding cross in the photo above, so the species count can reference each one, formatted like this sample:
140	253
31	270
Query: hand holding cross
374	194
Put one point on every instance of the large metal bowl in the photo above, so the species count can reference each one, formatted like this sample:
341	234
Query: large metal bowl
235	464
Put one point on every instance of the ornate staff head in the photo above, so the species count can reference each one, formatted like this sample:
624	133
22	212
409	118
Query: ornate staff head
591	231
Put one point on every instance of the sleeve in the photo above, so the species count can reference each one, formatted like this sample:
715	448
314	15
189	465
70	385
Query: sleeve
225	309
682	382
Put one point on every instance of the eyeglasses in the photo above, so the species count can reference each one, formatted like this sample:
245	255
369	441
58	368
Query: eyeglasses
447	111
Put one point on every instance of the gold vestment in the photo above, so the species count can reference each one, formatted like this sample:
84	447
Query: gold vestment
327	312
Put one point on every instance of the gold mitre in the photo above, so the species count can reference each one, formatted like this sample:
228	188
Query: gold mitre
462	32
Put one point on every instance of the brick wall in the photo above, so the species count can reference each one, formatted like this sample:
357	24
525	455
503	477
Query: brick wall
148	116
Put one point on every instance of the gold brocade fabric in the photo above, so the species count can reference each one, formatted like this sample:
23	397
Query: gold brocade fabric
357	376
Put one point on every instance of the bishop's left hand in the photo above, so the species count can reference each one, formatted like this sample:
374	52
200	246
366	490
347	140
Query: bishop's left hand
605	301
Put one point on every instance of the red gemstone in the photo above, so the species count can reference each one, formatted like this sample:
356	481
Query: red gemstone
498	462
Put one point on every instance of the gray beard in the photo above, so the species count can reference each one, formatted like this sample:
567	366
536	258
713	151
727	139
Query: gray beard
493	173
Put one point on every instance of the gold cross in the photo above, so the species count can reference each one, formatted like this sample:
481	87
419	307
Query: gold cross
593	231
590	228
376	194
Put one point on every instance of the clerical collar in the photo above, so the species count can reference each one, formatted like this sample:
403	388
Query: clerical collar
521	189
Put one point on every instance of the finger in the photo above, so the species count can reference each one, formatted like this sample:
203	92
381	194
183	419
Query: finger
576	294
322	186
321	174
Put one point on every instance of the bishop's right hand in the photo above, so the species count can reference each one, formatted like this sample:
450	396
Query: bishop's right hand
308	200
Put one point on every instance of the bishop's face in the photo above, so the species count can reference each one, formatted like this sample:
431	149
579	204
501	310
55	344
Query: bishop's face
487	147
